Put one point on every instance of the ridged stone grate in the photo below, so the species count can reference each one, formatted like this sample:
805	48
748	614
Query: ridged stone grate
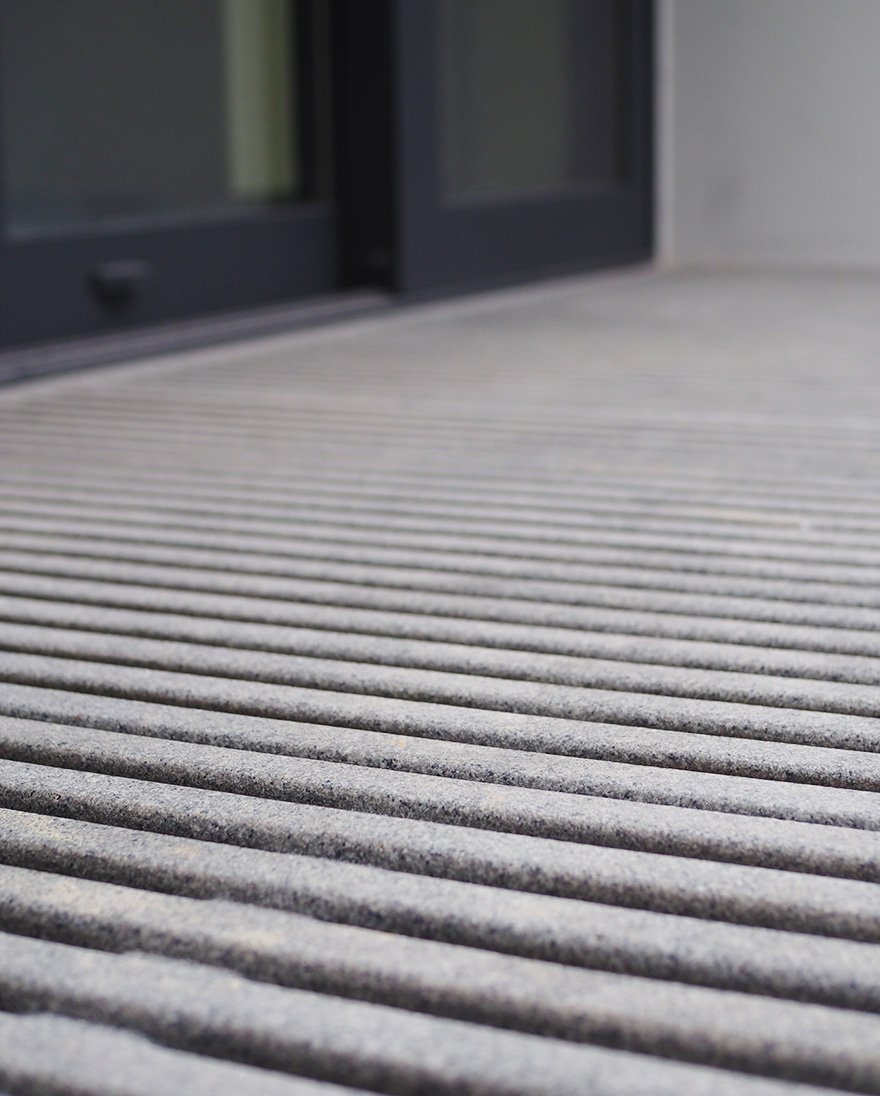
477	700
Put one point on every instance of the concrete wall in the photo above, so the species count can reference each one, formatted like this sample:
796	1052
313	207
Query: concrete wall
769	142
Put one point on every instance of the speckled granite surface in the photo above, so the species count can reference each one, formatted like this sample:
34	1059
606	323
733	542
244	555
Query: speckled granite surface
481	698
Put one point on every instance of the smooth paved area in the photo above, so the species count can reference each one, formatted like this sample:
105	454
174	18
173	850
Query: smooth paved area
474	699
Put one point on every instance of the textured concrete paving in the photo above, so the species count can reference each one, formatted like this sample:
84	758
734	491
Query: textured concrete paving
481	698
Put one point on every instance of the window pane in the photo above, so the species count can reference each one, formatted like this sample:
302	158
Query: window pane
145	107
529	95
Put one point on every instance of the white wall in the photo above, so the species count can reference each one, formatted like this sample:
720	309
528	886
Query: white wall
769	131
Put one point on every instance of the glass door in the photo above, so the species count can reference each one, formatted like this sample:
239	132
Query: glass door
525	137
171	158
161	158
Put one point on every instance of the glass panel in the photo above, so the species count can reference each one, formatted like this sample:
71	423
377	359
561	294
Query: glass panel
528	95
131	108
261	151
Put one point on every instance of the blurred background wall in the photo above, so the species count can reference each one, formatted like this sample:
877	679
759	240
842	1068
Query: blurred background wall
769	144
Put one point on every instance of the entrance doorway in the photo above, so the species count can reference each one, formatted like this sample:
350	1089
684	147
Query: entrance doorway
162	159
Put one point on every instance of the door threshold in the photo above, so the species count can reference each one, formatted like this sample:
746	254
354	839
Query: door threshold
88	351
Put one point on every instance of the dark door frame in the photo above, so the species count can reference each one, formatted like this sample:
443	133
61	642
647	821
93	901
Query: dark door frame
443	245
96	278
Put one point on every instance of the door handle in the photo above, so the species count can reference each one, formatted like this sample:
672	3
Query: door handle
119	281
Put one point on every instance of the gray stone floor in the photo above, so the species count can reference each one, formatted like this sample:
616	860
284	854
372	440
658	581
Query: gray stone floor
476	698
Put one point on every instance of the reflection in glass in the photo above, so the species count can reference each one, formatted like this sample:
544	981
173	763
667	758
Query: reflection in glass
529	96
259	83
143	108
